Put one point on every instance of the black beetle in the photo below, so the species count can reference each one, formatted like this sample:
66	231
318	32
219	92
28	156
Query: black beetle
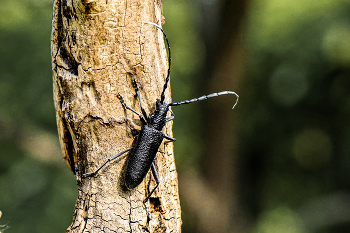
151	136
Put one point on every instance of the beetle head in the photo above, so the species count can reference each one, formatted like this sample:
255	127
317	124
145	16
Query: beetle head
157	118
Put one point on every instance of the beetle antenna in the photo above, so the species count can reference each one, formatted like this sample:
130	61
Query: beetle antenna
204	97
162	96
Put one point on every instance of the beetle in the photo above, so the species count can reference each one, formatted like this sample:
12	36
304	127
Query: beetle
151	136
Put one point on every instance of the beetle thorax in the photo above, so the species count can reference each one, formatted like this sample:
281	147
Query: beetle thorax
157	118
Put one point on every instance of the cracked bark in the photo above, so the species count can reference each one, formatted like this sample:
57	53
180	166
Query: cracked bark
98	47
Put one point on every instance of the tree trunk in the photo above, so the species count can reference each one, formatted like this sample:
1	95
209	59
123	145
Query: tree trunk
98	47
225	69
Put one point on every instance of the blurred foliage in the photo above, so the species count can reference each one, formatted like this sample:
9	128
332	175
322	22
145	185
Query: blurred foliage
181	26
37	190
25	63
295	115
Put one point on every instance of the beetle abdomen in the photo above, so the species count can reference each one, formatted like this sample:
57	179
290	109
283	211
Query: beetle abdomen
142	156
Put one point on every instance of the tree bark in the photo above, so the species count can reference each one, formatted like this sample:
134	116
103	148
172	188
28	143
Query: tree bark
98	47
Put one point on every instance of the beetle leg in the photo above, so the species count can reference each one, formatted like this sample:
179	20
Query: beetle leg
169	138
127	107
156	177
171	117
134	83
109	160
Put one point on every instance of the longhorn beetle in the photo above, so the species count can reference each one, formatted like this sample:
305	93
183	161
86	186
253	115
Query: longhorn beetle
151	136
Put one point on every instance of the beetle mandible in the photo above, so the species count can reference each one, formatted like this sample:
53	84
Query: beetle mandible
151	136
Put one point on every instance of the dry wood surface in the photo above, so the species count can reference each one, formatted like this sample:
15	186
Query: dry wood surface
98	47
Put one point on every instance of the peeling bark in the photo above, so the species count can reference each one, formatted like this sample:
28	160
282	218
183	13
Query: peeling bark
98	47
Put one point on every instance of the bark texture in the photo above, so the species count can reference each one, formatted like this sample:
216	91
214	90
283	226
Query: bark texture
98	47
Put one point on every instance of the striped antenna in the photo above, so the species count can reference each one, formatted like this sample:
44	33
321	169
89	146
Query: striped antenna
204	97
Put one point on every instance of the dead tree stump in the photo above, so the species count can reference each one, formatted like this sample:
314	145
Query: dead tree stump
98	47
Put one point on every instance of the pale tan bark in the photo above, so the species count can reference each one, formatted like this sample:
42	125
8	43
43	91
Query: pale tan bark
98	47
